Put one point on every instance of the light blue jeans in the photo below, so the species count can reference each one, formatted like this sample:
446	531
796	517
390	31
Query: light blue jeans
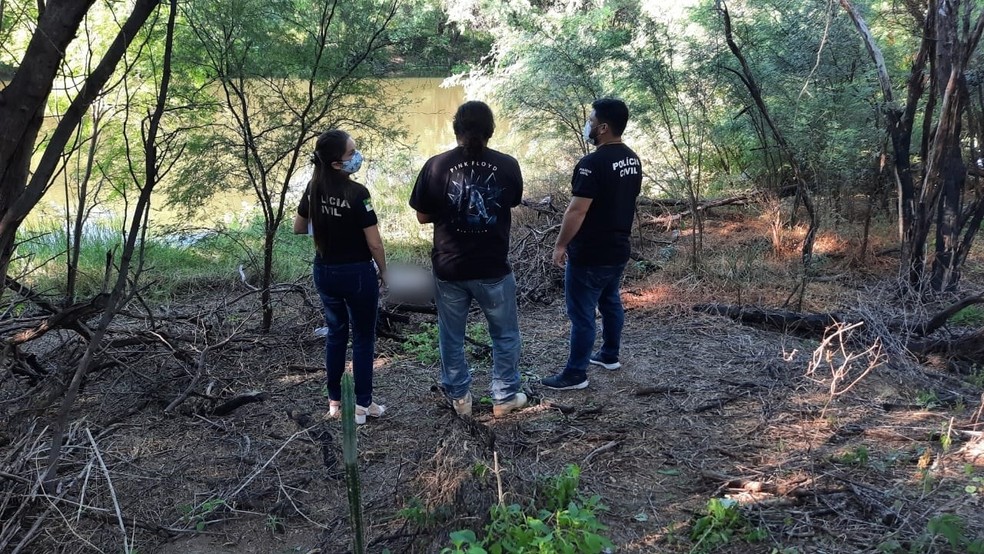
497	299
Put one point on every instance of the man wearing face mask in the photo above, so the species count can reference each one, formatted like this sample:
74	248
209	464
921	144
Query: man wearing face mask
593	245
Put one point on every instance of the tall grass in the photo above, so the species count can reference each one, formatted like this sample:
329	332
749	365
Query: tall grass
180	262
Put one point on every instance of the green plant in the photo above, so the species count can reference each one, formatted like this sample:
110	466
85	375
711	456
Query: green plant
561	489
948	527
479	333
423	346
927	399
976	376
418	514
564	523
276	525
857	456
977	482
722	522
951	528
350	454
198	515
971	316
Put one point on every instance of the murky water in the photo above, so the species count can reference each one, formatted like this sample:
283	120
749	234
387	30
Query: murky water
427	120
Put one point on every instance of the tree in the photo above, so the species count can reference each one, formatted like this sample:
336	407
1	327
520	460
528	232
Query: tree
936	198
24	99
287	70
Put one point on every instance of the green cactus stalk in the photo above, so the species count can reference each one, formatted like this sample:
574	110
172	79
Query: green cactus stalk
351	457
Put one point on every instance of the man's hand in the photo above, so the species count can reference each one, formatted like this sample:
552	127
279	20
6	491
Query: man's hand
560	256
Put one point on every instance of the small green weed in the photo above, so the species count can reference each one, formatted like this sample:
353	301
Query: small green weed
857	456
971	316
976	488
976	376
949	527
927	399
276	525
418	514
723	522
423	346
198	515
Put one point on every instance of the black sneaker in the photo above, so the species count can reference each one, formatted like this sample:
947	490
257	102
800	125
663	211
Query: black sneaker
564	381
596	359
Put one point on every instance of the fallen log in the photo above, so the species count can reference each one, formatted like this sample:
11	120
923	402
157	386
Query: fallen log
777	320
71	317
966	347
237	402
669	219
942	317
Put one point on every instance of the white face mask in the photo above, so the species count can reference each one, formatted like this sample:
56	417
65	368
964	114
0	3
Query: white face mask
586	133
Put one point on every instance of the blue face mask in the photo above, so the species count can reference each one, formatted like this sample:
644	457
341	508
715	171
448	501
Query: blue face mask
352	164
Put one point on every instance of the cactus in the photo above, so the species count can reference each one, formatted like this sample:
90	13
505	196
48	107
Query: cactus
351	456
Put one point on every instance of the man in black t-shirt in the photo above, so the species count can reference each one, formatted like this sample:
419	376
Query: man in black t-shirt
594	243
467	193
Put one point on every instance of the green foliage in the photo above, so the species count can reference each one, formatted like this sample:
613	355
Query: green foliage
198	515
948	526
971	316
720	525
857	456
423	346
418	514
178	263
976	376
276	525
927	399
556	527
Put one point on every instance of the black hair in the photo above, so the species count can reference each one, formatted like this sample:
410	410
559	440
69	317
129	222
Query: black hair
326	180
612	111
473	126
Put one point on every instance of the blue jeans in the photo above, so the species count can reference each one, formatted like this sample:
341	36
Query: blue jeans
587	288
350	295
497	298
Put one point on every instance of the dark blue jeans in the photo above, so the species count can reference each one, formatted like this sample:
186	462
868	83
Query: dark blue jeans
350	295
587	288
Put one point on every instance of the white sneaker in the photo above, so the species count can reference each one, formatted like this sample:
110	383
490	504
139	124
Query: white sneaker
372	410
321	332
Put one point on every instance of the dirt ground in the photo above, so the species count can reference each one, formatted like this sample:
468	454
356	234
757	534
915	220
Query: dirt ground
702	408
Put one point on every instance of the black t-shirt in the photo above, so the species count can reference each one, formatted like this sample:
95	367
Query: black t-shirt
340	233
469	201
611	177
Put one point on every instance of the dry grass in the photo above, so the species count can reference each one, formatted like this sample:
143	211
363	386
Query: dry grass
702	408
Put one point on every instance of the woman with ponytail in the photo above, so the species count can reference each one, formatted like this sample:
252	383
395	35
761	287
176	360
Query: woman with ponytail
338	213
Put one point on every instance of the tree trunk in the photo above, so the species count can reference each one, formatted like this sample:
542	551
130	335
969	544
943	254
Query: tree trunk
22	105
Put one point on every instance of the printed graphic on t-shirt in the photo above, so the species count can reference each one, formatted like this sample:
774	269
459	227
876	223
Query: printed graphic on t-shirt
368	204
332	206
477	199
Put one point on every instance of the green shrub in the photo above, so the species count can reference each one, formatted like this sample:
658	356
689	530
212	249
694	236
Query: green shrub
564	523
722	522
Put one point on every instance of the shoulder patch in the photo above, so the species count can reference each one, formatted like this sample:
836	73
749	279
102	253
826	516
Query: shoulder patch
368	204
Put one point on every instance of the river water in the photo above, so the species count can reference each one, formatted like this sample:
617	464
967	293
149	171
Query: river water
427	121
